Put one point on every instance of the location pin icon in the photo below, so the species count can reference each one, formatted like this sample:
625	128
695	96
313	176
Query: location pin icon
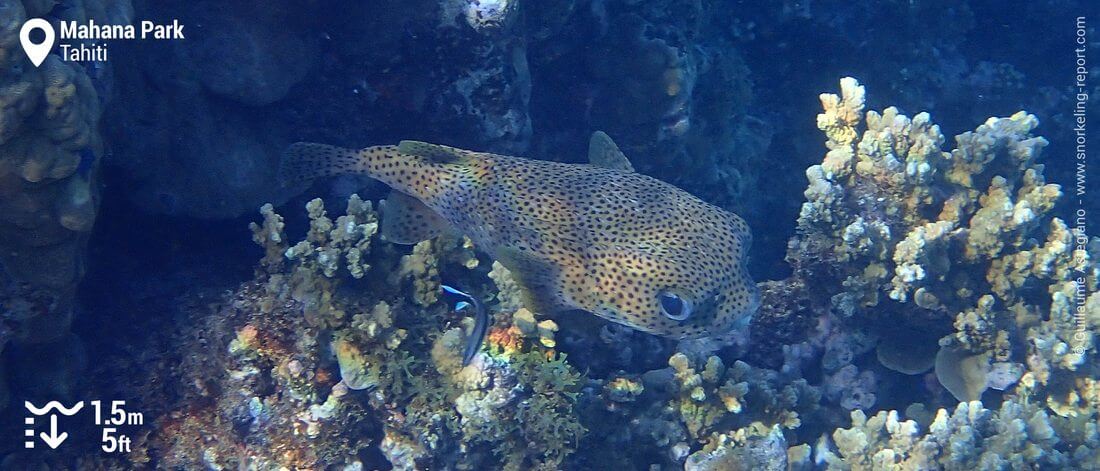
36	52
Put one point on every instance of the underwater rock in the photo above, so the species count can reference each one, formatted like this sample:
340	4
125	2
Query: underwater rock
666	79
253	62
201	113
52	369
49	147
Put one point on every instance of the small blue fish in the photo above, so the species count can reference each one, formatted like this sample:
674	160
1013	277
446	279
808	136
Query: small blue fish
481	322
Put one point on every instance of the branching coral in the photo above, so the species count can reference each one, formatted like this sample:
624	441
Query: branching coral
356	370
329	246
719	397
920	236
385	358
1017	436
518	399
422	268
328	242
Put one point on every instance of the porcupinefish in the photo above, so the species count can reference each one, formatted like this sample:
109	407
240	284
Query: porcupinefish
597	237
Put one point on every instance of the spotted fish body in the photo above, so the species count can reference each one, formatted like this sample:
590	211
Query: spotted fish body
600	238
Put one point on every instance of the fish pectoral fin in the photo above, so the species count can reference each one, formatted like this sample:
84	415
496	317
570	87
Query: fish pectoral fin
406	220
537	280
434	152
602	152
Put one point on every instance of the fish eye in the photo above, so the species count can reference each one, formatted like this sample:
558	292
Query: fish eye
673	306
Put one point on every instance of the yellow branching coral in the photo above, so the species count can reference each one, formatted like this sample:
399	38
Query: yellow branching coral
269	235
622	389
347	239
718	396
508	291
1017	436
422	268
329	246
964	235
842	114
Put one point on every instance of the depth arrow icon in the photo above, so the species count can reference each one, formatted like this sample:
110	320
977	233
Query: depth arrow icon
53	439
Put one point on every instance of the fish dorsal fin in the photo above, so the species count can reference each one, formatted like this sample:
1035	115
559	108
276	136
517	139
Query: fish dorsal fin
602	152
433	152
406	220
537	280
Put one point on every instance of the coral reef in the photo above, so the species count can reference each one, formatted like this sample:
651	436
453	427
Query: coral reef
934	314
964	236
754	448
952	260
739	393
1016	436
50	148
900	283
337	337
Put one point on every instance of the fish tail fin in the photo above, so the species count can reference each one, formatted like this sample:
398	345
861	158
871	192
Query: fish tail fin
304	161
